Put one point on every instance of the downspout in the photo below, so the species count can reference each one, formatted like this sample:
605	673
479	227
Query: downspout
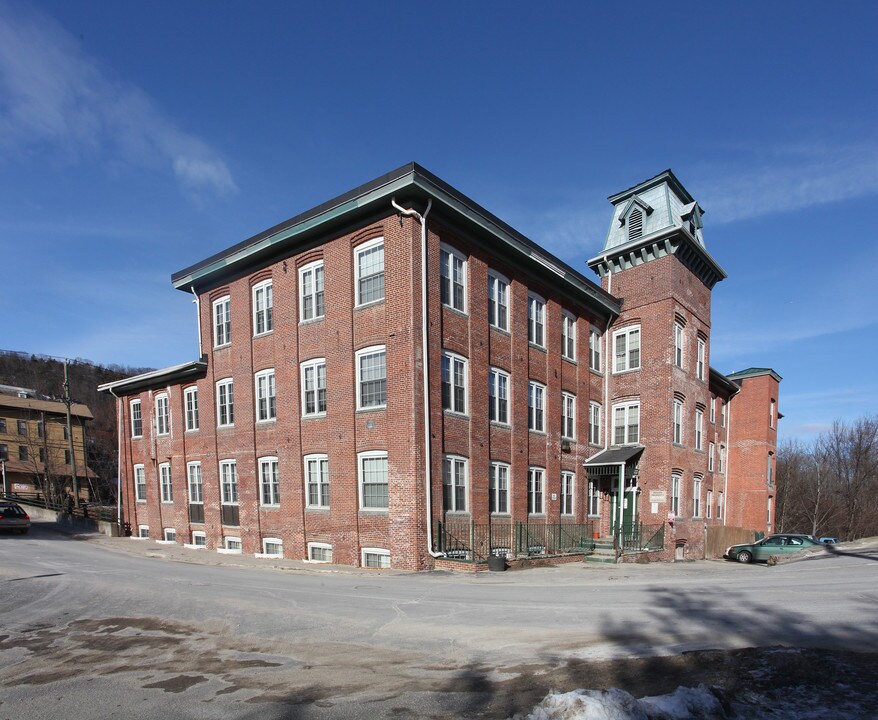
728	459
198	313
118	459
620	493
428	484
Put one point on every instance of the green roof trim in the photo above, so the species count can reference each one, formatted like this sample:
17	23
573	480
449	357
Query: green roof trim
753	372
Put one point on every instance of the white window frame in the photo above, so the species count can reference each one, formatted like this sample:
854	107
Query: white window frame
359	251
498	396
361	458
263	295
711	454
676	483
677	424
594	423
228	474
266	541
713	410
769	472
701	362
696	497
536	407
626	409
194	483
568	336
498	488
455	378
722	412
594	499
190	404
699	429
360	356
222	324
225	402
320	481
452	262
595	343
140	483
134	434
568	416
455	475
312	546
568	492
498	301
166	483
678	345
719	505
269	481
771	414
162	415
265	394
143	532
314	275
229	545
536	320
721	459
381	554
708	504
624	359
536	491
169	540
197	535
313	396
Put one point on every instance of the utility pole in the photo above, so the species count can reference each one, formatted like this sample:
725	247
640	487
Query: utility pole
70	437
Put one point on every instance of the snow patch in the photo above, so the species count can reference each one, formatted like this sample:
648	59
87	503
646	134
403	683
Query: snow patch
683	704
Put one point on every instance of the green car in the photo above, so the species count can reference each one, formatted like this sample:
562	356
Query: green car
761	550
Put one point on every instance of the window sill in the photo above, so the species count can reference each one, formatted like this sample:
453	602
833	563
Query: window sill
263	334
270	421
537	347
320	509
310	321
626	372
189	431
166	542
226	427
273	506
498	424
190	546
537	432
374	511
461	313
167	502
314	416
224	346
501	514
227	551
572	361
269	556
142	502
371	408
137	537
455	413
596	372
371	303
502	331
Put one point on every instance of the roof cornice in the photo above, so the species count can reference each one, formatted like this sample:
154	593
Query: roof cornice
174	375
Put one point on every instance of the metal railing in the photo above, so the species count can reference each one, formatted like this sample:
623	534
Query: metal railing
469	541
85	509
638	538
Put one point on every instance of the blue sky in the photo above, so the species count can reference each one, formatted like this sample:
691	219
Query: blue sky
138	138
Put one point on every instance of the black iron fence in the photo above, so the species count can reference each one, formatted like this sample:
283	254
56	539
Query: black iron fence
461	539
93	511
643	537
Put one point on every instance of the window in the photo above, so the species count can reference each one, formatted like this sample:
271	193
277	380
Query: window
42	455
699	366
712	410
269	484
536	490
22	427
699	429
452	287
719	506
454	374
225	403
536	419
626	345
696	497
22	453
162	421
709	504
371	378
266	401
678	422
568	336
567	481
263	308
369	271
193	474
3	425
568	415
768	516
594	350
372	468
4	452
314	387
165	482
232	545
536	320
768	471
678	345
190	396
199	538
771	414
222	321
136	420
454	483
143	531
66	432
722	413
498	484
66	457
375	558
594	499
498	301
594	423
711	452
319	552
272	547
229	482
170	535
40	429
140	483
311	288
721	458
626	424
317	480
635	224
498	396
675	494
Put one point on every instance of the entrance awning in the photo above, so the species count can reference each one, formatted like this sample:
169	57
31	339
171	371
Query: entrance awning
606	463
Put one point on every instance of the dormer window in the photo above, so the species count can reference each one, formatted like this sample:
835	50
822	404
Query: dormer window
635	224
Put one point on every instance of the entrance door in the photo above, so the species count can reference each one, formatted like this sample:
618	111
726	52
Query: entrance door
630	511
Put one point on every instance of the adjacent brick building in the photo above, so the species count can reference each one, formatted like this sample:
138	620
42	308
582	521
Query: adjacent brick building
399	378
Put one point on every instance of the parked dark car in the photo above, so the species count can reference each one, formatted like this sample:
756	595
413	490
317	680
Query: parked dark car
761	550
13	518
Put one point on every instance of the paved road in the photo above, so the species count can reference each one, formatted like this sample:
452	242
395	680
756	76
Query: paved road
106	626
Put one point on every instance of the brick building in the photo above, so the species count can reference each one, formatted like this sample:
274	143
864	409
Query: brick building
399	378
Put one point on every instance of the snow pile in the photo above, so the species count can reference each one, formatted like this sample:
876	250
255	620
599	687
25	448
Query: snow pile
614	704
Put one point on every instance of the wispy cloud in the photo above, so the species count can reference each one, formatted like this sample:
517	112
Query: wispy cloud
56	96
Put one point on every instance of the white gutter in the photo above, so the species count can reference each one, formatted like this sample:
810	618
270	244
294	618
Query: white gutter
428	484
198	311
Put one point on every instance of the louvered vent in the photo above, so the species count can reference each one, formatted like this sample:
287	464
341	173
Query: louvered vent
635	224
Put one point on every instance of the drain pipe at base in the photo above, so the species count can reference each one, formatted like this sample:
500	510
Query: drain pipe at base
428	481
